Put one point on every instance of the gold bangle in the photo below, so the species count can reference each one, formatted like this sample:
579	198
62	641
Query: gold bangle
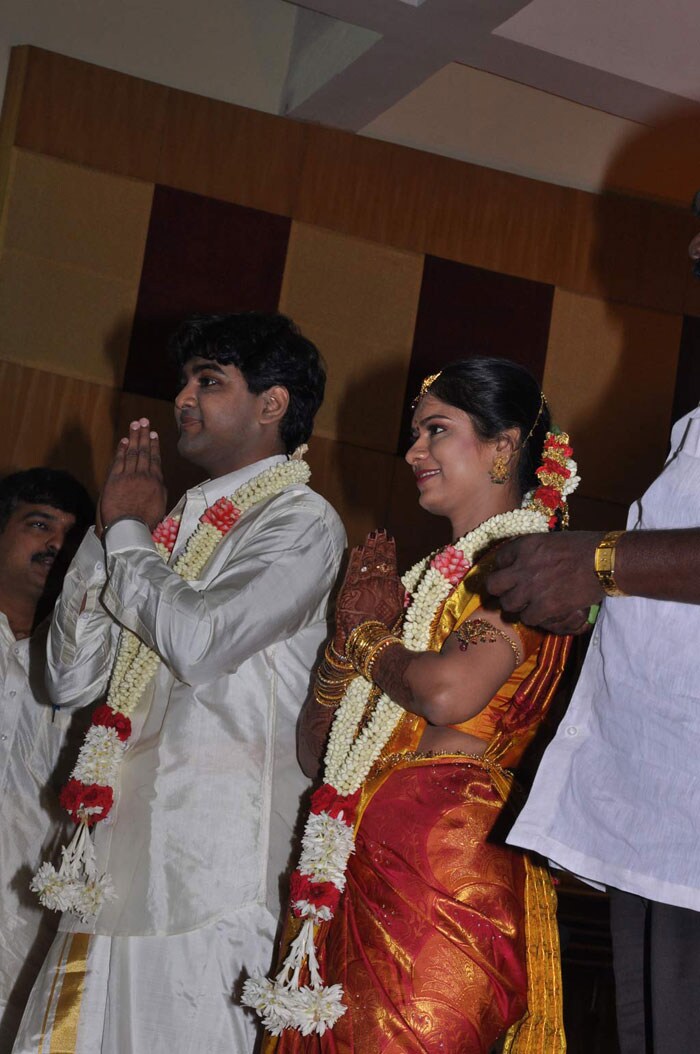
604	563
329	701
364	645
389	642
335	660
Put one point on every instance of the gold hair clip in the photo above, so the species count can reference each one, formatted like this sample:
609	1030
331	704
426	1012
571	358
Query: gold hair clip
425	387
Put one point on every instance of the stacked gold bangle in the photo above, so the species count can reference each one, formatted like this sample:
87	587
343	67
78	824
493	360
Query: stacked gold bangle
366	643
332	677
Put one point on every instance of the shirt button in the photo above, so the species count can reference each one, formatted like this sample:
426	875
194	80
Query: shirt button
99	567
12	694
85	615
3	738
572	730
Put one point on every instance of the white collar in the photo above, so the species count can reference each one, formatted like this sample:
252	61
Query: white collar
224	486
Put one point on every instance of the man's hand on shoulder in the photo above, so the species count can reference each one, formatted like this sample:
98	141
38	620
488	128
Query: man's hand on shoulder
134	486
548	580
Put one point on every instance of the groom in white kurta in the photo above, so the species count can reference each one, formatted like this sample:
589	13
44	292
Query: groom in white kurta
201	830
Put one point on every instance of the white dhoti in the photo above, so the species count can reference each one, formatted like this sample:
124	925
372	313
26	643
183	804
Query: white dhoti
149	995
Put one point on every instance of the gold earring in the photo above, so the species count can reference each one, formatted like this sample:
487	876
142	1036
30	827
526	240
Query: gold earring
499	471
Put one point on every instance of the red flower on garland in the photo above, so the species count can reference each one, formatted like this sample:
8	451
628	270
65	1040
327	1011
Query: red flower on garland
166	533
548	465
108	718
552	443
320	894
326	799
549	496
76	796
222	515
451	563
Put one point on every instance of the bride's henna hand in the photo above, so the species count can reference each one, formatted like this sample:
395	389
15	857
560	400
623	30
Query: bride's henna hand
372	588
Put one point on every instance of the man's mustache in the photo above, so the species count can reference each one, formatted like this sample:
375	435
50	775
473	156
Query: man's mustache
47	557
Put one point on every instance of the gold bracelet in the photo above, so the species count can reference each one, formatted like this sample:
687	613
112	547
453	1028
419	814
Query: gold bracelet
366	642
604	563
335	660
332	680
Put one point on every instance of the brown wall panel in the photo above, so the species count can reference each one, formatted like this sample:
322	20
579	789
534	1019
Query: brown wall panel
356	482
591	514
231	153
202	255
368	188
91	115
622	248
56	421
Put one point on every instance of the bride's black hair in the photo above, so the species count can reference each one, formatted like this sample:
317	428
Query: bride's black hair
499	394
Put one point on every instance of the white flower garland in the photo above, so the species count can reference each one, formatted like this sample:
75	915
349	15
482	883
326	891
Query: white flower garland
351	753
76	886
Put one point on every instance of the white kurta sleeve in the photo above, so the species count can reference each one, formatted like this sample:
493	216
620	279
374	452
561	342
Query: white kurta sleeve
81	638
271	588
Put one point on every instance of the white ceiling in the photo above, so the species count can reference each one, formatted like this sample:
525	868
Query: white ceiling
629	58
550	88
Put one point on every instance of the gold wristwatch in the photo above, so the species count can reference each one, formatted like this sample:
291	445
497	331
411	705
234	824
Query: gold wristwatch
604	563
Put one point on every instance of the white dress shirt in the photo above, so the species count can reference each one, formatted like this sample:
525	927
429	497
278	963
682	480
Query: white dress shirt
616	798
210	785
31	738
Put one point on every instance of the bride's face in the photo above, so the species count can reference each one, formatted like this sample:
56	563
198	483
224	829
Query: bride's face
451	464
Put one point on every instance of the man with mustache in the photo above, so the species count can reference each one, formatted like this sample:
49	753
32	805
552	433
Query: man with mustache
43	514
207	790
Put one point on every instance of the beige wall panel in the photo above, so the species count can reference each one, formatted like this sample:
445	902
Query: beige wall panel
609	376
231	153
64	319
356	482
91	115
79	216
357	300
56	421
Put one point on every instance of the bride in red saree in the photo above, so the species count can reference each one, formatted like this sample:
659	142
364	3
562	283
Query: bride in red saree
429	935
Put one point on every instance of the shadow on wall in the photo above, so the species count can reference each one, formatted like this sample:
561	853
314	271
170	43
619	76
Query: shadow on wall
635	383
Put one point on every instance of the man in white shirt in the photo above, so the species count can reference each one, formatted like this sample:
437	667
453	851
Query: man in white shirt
41	513
208	793
616	799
